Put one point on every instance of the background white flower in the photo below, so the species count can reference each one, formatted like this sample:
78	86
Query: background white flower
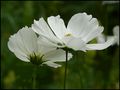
29	48
81	29
102	38
116	33
109	2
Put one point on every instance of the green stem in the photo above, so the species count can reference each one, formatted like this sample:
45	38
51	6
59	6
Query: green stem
65	69
80	68
34	78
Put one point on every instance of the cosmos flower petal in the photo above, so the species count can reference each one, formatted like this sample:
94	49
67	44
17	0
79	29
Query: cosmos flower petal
57	25
11	42
22	57
17	49
14	47
44	45
38	28
74	43
57	56
44	41
29	39
52	64
93	34
101	46
77	23
90	26
42	28
15	44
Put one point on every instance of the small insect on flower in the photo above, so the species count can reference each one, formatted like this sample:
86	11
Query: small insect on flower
81	29
29	48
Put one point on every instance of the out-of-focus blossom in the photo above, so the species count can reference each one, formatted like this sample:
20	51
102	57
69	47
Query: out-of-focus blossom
109	2
102	38
116	34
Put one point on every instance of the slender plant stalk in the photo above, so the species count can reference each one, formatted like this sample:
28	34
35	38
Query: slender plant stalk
34	77
79	72
65	69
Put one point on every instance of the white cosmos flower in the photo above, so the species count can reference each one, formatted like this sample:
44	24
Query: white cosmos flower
102	38
81	29
29	48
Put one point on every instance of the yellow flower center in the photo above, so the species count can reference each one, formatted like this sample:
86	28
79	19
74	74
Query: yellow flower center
68	34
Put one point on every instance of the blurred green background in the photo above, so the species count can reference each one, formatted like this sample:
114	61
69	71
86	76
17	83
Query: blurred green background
93	69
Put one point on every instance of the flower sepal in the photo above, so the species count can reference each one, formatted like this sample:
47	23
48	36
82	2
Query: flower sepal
67	49
35	59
